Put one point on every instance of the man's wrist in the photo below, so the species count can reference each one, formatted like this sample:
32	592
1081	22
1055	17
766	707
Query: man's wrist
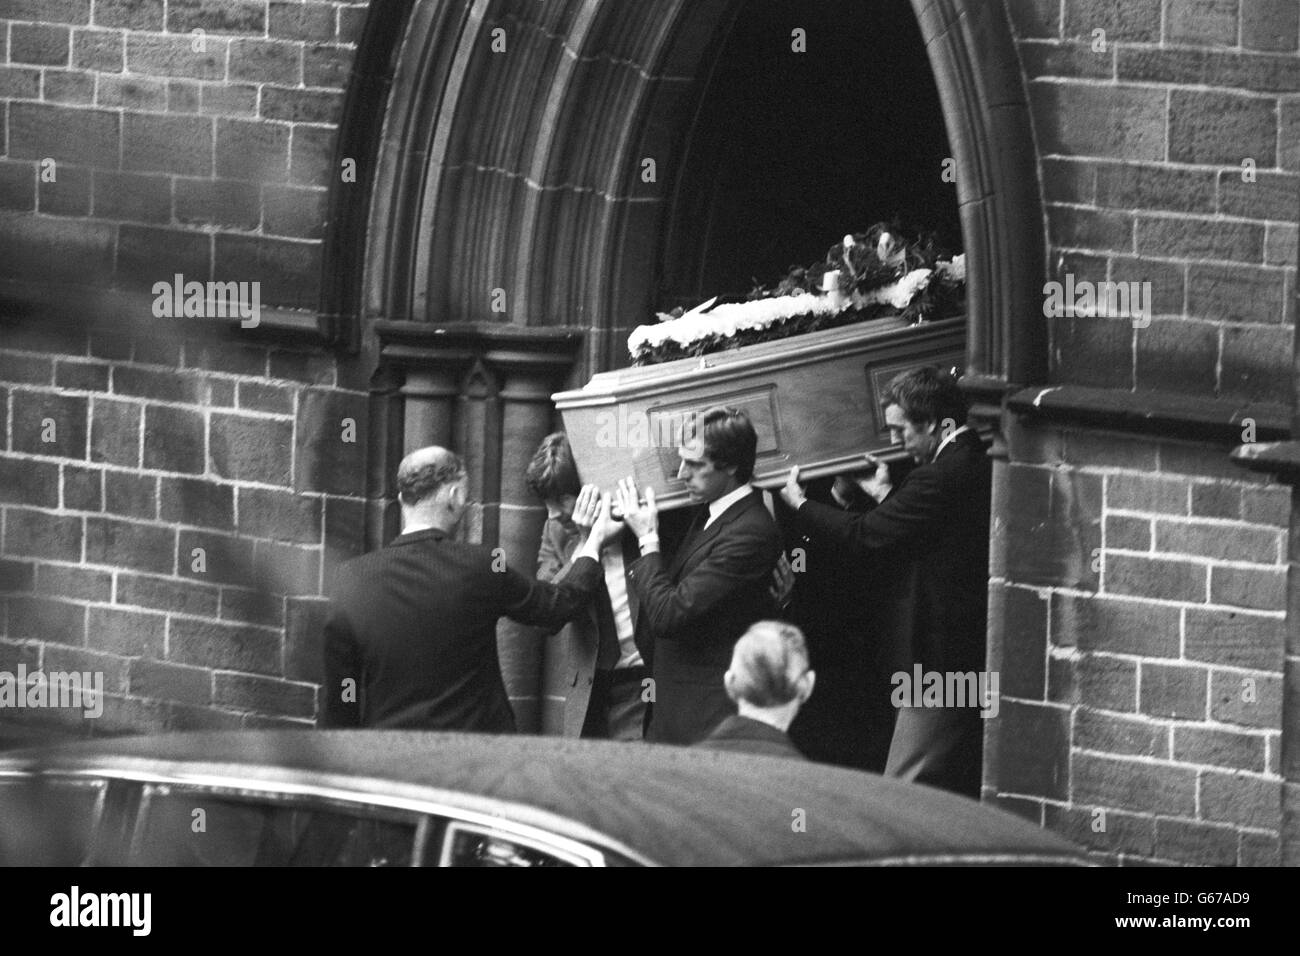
648	542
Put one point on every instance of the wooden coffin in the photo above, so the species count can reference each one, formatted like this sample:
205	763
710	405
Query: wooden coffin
814	401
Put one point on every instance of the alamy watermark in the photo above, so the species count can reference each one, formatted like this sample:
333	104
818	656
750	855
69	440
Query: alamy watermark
629	428
946	689
78	690
208	300
129	910
1125	300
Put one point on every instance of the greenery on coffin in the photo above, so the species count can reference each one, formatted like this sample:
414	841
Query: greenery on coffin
869	275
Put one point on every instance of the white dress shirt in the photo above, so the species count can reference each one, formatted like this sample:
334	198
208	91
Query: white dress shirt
716	508
611	560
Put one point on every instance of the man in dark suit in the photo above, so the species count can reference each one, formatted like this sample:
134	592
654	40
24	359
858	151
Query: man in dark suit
769	679
410	637
850	720
603	672
694	608
934	527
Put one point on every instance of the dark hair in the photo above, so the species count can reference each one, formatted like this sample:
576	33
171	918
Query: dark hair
416	482
767	663
552	474
729	439
926	395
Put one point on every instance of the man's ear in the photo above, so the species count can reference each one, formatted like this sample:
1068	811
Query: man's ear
805	691
729	682
931	428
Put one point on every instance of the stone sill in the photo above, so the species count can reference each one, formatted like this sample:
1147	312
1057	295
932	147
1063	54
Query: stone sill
1161	413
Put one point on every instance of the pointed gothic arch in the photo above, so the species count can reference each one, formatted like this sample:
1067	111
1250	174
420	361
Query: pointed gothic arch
524	183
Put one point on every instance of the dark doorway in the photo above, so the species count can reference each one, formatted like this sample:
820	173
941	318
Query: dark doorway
789	151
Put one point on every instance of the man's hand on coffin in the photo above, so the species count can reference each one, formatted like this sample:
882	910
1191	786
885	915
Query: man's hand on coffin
643	519
585	511
604	528
791	492
877	484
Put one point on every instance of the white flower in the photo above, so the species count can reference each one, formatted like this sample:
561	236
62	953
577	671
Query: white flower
848	242
898	294
727	320
955	270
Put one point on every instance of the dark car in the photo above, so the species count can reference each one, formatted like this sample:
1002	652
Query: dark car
396	798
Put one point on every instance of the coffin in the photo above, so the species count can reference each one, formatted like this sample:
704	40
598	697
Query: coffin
813	399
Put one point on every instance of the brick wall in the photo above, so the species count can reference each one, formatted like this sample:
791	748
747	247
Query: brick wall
1142	147
1141	646
172	498
192	137
1141	603
177	532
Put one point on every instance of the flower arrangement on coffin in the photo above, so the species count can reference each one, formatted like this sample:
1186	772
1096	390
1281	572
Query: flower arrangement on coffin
865	276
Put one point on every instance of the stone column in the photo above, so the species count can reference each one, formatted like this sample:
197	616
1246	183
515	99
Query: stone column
484	390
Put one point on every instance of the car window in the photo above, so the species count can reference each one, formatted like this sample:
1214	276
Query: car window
183	826
466	844
48	822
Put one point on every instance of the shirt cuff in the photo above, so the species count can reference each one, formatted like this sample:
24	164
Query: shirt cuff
648	542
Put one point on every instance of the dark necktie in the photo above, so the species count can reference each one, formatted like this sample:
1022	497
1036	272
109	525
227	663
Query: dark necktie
688	540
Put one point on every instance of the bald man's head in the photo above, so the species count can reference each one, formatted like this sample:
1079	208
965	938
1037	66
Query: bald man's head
425	472
769	677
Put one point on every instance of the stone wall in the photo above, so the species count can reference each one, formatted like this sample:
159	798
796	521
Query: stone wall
1140	611
173	496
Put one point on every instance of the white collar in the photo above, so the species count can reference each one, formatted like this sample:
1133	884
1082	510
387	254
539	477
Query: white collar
726	501
950	436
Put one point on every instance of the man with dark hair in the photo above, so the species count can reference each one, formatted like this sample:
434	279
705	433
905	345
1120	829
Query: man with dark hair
552	475
693	608
769	679
410	636
603	670
934	527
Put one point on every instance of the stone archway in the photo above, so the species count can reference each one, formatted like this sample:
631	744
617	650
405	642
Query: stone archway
484	173
519	188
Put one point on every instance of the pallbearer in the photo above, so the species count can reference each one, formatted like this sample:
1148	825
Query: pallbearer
695	605
935	528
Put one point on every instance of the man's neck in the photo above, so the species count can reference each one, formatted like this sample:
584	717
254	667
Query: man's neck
948	440
715	506
425	523
779	717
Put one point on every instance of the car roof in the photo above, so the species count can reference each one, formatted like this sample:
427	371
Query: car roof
660	804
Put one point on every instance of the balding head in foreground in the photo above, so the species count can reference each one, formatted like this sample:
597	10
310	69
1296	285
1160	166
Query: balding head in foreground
770	678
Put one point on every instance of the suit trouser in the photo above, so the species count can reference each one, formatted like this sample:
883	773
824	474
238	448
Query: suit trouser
938	746
617	710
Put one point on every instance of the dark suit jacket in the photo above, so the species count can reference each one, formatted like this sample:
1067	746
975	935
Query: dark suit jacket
836	602
746	735
414	624
934	528
693	609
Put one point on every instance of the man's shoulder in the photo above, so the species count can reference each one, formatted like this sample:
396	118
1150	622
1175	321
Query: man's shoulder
427	548
747	735
750	513
964	454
